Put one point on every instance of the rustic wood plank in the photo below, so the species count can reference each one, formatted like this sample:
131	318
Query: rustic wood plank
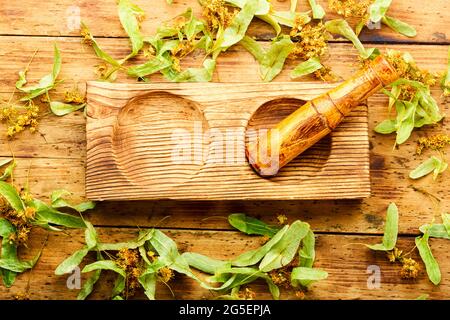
343	257
187	141
61	18
59	149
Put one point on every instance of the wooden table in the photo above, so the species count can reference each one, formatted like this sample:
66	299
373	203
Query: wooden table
54	157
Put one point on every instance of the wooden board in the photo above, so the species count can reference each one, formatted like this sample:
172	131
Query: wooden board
61	18
54	157
187	141
342	256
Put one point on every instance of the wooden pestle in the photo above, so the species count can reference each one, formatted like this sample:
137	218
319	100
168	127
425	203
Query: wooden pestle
316	118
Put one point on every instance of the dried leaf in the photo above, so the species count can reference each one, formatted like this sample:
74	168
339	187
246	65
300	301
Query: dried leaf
307	67
390	230
251	225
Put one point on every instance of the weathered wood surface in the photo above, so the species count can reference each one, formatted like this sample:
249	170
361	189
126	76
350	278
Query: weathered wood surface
60	146
185	141
58	150
34	17
343	257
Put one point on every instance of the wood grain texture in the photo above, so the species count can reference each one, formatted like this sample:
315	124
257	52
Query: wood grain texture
61	18
343	257
59	148
187	141
55	155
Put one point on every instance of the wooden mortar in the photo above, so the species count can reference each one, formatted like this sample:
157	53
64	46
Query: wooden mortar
276	147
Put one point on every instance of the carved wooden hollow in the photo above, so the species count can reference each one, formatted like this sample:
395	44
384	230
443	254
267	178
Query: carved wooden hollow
187	141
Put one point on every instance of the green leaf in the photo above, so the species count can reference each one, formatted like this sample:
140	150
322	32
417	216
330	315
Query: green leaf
88	285
104	265
288	18
406	121
6	228
46	83
445	83
317	10
399	26
283	252
422	297
435	231
8	277
11	196
61	109
302	276
272	60
59	202
431	265
71	262
446	222
307	67
152	66
270	19
254	256
204	263
197	74
9	260
428	166
9	169
390	230
144	236
98	51
47	215
238	27
90	235
119	286
251	225
386	127
341	27
129	15
378	9
263	6
148	282
307	252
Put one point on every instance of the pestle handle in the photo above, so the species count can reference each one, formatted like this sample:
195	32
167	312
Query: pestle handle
276	147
